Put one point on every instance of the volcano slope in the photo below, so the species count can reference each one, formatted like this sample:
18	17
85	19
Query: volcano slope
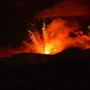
68	69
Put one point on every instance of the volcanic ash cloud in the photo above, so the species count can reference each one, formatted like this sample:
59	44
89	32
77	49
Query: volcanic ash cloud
67	8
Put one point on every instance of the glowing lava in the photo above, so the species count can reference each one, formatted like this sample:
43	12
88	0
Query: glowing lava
50	42
53	38
56	37
48	46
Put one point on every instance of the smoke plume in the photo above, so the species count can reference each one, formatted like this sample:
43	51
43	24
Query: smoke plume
67	8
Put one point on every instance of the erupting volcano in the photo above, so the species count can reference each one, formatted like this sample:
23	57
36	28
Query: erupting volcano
52	38
57	36
53	28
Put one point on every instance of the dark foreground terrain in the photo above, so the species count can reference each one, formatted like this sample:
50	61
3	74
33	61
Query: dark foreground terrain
69	69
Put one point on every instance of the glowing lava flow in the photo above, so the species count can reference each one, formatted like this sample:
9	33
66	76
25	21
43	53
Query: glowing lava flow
44	45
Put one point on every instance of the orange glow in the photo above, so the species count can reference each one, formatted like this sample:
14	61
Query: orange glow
52	39
55	37
66	8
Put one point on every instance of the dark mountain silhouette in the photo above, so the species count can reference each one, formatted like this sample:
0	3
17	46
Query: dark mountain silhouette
68	69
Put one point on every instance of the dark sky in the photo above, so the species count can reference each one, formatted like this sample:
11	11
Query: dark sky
15	14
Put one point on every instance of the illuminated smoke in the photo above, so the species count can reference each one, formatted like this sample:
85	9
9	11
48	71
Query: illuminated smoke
66	8
53	38
58	36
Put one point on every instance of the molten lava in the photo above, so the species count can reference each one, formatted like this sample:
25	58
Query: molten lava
53	38
56	38
51	41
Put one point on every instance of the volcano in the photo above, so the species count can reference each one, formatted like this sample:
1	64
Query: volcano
45	44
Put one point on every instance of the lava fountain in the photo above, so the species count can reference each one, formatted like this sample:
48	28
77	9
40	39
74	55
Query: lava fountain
56	37
53	38
51	41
